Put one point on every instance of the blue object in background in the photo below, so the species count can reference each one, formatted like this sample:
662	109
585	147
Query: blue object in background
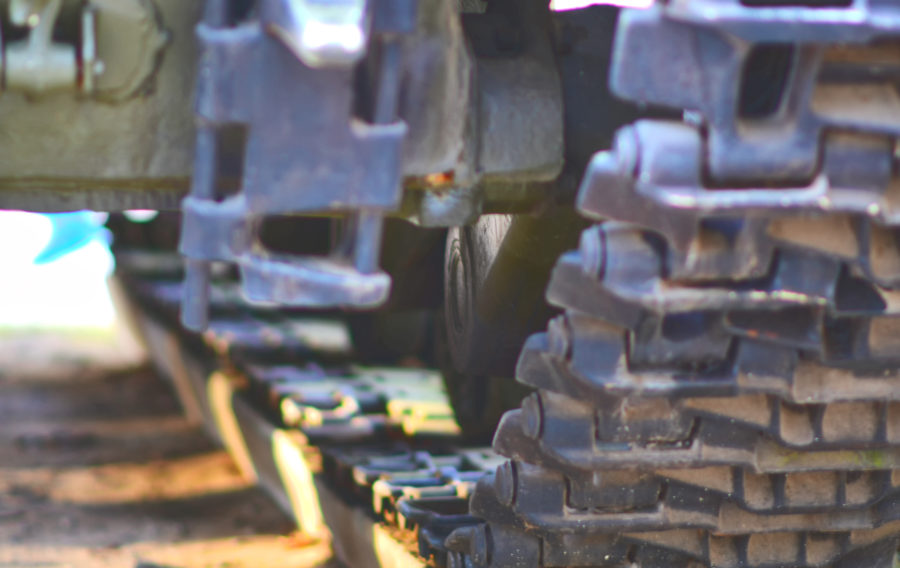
72	231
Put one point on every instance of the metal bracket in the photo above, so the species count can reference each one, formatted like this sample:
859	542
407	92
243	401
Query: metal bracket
308	147
95	64
39	64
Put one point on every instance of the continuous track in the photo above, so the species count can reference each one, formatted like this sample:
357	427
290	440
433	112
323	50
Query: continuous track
739	475
721	389
371	453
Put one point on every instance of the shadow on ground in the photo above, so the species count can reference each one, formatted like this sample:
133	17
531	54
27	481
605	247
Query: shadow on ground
98	468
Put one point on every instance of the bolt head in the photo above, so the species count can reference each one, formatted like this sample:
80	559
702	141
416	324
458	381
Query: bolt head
533	415
558	340
592	250
505	483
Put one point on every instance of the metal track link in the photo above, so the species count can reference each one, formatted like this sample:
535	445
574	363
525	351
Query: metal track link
336	444
722	387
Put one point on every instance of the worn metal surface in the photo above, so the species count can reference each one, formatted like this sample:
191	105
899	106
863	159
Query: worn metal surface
720	377
126	145
781	142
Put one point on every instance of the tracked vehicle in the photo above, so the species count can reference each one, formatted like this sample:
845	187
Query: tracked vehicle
661	242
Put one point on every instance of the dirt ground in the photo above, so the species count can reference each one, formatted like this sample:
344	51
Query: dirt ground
98	468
